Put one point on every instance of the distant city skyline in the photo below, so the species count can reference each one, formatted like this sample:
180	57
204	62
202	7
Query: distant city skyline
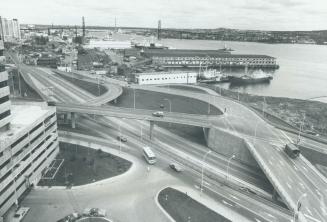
281	15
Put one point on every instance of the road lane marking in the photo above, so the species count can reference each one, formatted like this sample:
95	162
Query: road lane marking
226	203
232	196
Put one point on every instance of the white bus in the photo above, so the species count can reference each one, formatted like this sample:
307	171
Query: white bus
149	155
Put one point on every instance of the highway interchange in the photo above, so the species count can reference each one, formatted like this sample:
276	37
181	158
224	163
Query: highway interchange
302	176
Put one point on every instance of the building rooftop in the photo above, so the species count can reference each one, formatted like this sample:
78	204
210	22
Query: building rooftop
164	73
198	53
24	117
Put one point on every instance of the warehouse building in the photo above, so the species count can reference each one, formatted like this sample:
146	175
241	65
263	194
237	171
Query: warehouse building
211	58
28	143
166	78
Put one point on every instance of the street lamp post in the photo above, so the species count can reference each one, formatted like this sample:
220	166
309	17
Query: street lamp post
297	210
141	132
209	104
301	128
263	107
232	157
169	101
203	159
120	136
255	130
134	97
98	85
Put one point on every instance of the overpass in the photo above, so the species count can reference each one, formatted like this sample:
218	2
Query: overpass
290	178
204	121
29	73
244	128
114	90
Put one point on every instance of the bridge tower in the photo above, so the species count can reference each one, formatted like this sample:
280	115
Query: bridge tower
75	31
83	26
115	24
159	30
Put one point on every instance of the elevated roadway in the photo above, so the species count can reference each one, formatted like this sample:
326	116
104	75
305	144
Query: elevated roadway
290	178
140	114
41	79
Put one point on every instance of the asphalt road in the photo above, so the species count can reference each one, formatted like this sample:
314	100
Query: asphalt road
240	121
278	167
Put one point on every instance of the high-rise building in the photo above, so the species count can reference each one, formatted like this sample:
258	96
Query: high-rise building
4	89
28	142
10	30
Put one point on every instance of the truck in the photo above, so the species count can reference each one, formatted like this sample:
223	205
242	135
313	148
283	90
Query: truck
292	150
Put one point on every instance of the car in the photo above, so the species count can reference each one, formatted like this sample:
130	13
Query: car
20	214
176	167
247	190
122	138
158	114
94	212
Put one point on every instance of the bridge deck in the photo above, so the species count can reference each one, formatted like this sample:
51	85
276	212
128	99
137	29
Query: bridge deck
140	114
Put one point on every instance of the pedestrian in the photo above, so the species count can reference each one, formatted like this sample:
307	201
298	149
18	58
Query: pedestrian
225	110
148	168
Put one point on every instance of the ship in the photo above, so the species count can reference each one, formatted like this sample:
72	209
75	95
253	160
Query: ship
256	77
212	76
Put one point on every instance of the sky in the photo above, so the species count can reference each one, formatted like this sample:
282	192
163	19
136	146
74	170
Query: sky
238	14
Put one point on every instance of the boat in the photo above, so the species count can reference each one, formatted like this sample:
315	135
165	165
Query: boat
108	37
258	76
212	76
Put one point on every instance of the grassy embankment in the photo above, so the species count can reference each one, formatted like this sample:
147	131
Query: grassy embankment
92	88
287	112
153	100
84	165
182	208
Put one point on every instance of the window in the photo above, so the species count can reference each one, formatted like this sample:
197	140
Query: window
4	99
3	84
18	141
36	127
4	114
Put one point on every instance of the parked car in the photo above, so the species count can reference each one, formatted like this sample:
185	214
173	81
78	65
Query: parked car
94	212
158	114
20	214
122	138
176	167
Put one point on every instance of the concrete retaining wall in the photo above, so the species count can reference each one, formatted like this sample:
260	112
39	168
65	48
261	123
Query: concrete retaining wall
228	144
314	156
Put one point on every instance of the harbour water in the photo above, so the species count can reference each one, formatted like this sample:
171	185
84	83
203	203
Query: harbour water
302	73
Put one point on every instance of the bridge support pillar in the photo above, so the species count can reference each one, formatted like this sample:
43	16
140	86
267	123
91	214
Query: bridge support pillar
275	195
73	118
206	134
151	129
65	118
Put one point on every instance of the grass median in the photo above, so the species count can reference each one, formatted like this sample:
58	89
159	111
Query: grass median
83	165
183	208
160	101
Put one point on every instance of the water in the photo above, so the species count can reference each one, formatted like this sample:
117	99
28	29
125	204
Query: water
302	73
